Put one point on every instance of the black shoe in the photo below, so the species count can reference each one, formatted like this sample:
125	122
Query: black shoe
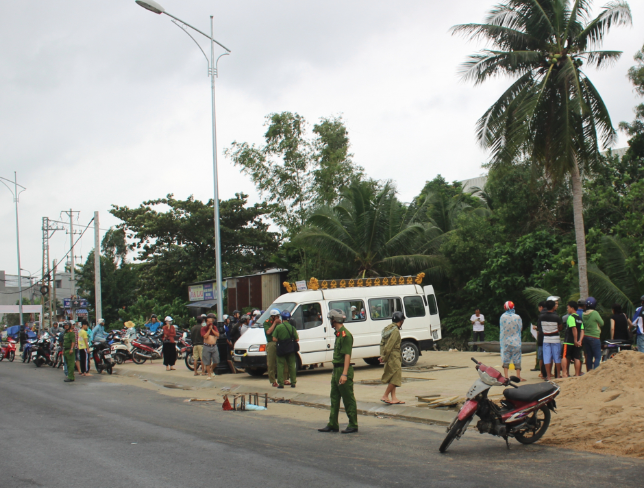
292	385
280	387
67	380
328	429
350	430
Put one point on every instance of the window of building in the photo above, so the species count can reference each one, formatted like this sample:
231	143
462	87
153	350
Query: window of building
307	316
414	307
383	308
59	283
353	309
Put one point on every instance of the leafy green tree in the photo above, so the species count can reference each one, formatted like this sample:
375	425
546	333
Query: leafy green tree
296	172
370	233
119	279
552	112
176	245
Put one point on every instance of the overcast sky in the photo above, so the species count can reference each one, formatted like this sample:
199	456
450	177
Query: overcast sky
106	103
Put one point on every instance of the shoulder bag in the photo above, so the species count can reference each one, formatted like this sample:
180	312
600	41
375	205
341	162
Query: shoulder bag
287	346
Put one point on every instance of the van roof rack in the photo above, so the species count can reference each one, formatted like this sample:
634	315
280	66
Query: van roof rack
315	284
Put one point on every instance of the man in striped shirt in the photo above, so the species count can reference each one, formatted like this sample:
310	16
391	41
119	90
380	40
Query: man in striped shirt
549	326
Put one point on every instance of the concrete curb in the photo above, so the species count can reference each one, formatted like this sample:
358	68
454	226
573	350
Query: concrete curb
226	385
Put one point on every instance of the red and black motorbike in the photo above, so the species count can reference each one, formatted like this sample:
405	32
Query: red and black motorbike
8	351
524	413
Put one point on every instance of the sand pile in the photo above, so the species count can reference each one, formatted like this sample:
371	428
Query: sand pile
602	411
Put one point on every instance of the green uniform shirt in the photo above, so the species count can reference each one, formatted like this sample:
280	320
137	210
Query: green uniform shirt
267	325
343	345
68	340
284	331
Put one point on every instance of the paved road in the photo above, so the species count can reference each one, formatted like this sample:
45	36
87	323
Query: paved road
98	433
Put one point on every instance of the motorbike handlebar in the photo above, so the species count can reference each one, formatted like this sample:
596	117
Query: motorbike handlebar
475	361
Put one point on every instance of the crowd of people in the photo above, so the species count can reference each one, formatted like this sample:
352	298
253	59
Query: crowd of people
581	326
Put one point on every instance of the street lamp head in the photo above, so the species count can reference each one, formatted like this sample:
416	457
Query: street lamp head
151	5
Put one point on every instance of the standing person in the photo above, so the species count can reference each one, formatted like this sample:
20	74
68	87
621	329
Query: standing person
225	343
69	354
392	359
169	347
83	348
593	323
573	340
342	377
98	333
22	337
539	363
61	340
549	326
271	347
478	327
285	331
197	345
210	355
510	338
619	323
76	327
153	324
235	332
639	330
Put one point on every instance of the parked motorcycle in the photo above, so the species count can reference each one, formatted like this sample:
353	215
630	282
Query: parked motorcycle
8	351
41	353
27	350
102	357
146	346
612	347
524	413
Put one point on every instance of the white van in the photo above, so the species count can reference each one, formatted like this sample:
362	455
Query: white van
368	311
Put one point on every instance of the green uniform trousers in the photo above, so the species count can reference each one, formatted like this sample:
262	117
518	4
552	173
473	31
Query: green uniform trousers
70	358
271	363
287	364
345	392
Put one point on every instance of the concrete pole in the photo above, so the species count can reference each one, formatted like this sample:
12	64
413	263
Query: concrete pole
15	181
97	268
54	287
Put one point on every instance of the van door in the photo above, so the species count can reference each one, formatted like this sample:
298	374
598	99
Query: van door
312	328
360	326
434	318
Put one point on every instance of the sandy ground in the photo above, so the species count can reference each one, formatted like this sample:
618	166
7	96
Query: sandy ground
602	410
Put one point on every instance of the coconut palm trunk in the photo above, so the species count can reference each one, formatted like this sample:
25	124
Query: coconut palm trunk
580	231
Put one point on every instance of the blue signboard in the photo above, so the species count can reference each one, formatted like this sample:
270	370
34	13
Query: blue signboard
74	303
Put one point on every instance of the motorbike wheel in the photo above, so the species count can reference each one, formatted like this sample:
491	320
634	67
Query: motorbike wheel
38	362
1	356
190	361
537	425
138	359
109	370
97	361
119	359
12	356
456	430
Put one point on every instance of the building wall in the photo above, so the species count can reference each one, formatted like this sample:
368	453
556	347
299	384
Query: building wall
271	289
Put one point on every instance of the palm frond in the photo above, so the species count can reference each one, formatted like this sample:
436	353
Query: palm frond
536	295
605	291
600	59
487	63
505	38
614	13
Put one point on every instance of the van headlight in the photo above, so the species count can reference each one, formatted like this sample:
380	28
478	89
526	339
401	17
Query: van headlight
257	348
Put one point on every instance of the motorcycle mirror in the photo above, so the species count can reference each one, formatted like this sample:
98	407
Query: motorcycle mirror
515	379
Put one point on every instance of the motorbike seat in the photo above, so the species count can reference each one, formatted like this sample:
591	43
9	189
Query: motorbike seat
529	393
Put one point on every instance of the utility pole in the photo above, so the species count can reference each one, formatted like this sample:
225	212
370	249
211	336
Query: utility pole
16	199
97	269
71	241
54	289
48	226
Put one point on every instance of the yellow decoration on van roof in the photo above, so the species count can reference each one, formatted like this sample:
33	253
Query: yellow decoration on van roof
315	284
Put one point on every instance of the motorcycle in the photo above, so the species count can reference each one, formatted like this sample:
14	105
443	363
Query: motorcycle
101	353
8	351
524	413
27	350
146	347
612	347
42	353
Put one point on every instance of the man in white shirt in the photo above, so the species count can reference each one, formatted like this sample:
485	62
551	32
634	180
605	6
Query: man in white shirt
478	324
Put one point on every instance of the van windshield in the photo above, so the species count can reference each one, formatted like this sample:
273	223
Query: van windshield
288	306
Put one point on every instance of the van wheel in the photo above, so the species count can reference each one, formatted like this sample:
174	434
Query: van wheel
256	371
372	361
410	353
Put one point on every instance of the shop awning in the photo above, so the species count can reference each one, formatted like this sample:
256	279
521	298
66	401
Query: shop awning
203	304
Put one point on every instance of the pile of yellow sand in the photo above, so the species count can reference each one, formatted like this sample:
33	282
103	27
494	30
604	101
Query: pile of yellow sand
602	410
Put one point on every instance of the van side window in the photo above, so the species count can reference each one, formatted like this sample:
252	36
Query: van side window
307	316
384	308
414	307
353	309
431	301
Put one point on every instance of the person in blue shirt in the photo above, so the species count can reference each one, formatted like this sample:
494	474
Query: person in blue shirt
98	332
153	324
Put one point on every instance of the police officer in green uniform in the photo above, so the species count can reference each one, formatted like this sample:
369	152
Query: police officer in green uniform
271	348
69	355
284	331
342	378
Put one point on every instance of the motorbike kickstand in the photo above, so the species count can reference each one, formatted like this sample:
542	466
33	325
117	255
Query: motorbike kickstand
507	442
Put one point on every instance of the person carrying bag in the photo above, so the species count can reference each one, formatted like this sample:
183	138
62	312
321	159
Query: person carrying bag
287	347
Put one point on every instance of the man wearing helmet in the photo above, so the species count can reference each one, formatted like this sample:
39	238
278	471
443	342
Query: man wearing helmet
392	359
285	331
510	337
271	348
592	343
342	377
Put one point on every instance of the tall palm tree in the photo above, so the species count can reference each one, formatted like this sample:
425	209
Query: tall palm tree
370	233
552	113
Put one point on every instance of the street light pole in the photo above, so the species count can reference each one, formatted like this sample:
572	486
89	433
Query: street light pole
153	6
16	198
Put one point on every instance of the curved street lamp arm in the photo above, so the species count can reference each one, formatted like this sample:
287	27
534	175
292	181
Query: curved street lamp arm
195	29
191	37
217	63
